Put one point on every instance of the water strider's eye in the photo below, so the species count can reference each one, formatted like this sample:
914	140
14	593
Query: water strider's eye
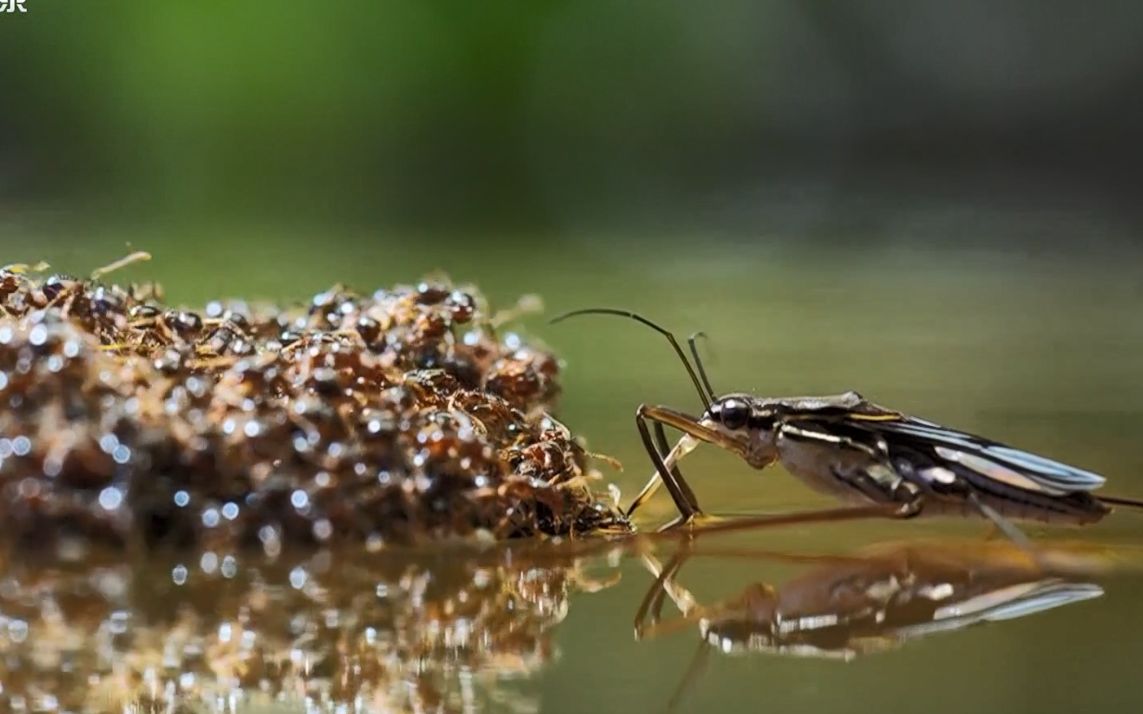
733	413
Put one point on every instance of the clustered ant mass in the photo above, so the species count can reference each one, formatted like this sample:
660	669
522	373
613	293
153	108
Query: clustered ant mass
396	416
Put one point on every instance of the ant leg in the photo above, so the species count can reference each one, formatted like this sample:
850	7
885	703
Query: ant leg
680	492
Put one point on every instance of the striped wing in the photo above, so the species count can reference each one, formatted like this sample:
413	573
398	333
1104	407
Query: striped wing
957	451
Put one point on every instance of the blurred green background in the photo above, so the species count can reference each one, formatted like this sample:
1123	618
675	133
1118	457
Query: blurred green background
933	203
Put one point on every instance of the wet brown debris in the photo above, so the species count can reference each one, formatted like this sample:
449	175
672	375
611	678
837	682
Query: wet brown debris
392	417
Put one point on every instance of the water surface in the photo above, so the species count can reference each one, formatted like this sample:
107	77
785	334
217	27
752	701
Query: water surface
1033	348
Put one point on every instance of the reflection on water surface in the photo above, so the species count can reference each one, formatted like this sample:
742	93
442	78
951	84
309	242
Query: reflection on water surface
875	599
395	632
463	630
1039	352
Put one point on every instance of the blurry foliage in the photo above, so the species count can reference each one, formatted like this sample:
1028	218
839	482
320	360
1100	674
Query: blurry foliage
515	112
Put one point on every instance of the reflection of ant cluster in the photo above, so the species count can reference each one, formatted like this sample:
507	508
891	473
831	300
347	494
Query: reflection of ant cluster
336	628
394	416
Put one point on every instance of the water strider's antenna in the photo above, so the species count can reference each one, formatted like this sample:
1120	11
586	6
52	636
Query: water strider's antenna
706	394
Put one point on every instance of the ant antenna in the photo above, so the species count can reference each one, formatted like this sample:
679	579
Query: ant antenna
698	361
706	396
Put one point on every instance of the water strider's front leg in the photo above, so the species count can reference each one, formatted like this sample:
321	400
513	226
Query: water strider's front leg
681	493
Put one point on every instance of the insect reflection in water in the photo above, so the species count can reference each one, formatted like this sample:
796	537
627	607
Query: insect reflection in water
874	600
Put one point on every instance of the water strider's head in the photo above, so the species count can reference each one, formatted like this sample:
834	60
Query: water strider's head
744	425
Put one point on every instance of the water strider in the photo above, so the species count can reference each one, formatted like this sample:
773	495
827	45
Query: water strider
863	453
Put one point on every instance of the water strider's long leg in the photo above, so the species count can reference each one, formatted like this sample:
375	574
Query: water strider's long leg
670	458
665	451
694	431
825	515
879	492
1002	524
694	670
680	492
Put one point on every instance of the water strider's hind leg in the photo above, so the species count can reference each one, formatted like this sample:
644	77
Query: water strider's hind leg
1005	526
882	484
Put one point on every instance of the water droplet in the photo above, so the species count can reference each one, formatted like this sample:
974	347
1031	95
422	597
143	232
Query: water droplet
210	517
300	499
110	498
323	529
230	511
298	577
118	621
21	446
121	455
108	442
52	465
182	498
38	335
17	630
179	574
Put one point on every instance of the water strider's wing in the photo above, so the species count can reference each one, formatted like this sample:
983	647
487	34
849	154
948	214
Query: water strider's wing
925	444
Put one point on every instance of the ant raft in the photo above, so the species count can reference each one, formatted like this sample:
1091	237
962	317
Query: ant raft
883	461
